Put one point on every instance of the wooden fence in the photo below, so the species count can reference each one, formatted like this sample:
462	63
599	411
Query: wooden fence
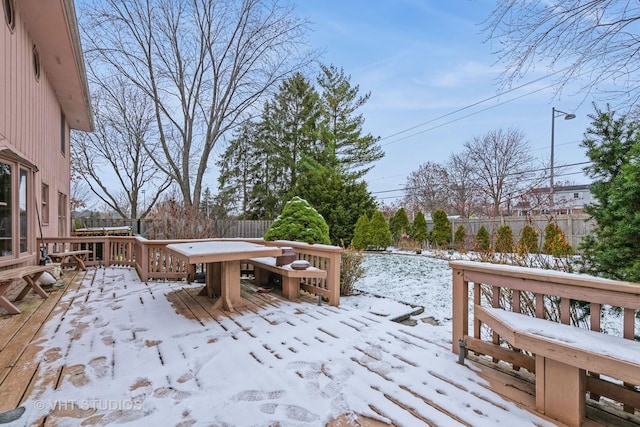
575	227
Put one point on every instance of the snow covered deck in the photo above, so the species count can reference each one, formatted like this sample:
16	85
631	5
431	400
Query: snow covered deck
111	349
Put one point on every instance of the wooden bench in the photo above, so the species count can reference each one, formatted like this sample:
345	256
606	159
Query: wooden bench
563	354
290	277
30	274
76	258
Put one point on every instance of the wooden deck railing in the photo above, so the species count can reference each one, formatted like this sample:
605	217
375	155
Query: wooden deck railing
566	298
153	262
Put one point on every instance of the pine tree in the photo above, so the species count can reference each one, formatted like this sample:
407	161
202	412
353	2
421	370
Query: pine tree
241	172
419	231
459	239
555	242
483	242
361	234
352	152
441	233
379	234
300	222
399	224
504	241
340	201
613	146
528	242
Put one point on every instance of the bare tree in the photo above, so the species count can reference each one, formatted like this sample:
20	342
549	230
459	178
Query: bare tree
115	161
502	165
428	188
463	193
596	40
205	65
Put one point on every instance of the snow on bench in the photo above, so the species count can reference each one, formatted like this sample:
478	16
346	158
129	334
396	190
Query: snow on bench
563	354
290	276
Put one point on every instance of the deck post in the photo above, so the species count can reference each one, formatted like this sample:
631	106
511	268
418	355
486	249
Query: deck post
460	326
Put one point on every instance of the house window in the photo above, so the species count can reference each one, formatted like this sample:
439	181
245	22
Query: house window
36	63
576	195
9	14
6	205
62	214
23	197
45	204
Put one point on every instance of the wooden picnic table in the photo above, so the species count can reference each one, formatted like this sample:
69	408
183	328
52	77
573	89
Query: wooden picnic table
76	258
30	274
223	266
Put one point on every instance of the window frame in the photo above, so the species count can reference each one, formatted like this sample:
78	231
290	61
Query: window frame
20	216
62	214
44	204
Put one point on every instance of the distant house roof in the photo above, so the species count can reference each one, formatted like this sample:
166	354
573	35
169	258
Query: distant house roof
53	27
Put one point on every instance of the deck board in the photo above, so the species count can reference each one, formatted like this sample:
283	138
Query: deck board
26	357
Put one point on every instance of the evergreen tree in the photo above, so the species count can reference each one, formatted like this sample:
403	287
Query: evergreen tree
459	238
361	233
528	242
207	203
242	169
419	231
441	233
399	224
352	152
555	242
504	241
613	146
379	234
340	200
483	243
299	221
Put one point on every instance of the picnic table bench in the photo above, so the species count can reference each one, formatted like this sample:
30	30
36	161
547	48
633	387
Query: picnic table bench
30	274
290	276
76	258
563	354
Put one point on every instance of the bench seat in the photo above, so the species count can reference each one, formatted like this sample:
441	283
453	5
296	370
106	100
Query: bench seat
30	274
290	277
71	258
563	354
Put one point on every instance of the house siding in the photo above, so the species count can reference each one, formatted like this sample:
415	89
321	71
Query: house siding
30	125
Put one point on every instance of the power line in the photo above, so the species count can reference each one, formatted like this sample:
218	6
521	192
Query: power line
474	104
465	116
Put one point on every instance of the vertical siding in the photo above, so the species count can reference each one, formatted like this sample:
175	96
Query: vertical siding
30	120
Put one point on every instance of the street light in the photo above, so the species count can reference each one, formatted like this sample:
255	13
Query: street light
567	116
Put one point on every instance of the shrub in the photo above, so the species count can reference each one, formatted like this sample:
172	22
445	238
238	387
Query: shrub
459	239
482	240
555	242
504	241
300	222
379	234
528	242
360	239
441	233
419	230
351	269
399	225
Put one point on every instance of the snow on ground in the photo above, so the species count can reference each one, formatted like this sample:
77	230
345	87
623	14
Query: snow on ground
296	364
130	359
